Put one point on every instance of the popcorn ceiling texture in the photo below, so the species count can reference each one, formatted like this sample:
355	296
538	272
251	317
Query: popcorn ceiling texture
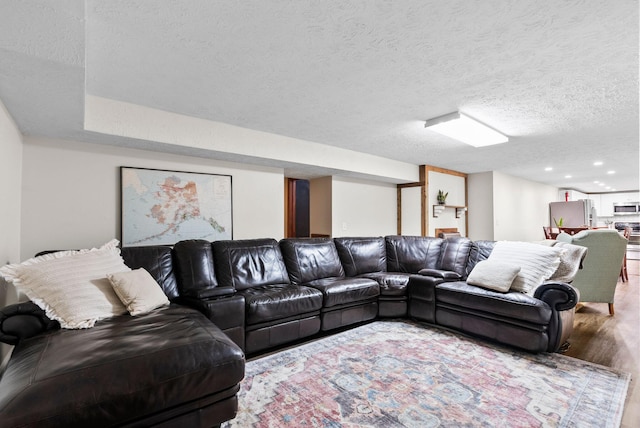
557	77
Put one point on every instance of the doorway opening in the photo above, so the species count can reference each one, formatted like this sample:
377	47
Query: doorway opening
297	202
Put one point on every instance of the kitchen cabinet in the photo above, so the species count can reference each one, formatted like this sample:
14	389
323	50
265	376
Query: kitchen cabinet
596	203
604	201
606	204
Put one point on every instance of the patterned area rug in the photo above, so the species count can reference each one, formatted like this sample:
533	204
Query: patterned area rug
403	374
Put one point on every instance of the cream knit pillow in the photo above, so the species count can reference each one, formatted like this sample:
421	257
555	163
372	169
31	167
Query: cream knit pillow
139	292
71	286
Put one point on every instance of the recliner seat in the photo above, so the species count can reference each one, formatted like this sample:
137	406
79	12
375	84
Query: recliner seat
276	311
315	263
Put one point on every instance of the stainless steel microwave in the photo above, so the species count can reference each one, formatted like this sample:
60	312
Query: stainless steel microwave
626	208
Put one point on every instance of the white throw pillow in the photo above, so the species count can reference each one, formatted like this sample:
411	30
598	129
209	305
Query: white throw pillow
494	275
71	286
138	291
537	262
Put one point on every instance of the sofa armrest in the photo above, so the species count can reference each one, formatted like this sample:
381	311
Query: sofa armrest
208	293
447	275
558	295
225	312
23	320
562	299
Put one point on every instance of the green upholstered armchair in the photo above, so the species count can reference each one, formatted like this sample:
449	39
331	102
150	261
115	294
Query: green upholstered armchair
597	280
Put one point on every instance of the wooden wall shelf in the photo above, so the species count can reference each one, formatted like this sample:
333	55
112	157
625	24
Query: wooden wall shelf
437	209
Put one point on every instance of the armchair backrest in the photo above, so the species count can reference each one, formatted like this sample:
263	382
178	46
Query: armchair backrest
454	254
410	254
157	260
361	255
195	271
249	263
308	259
597	280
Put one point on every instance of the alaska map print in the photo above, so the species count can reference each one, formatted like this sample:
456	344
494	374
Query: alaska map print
164	207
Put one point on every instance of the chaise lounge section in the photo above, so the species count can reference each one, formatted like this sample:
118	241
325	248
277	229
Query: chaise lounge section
171	366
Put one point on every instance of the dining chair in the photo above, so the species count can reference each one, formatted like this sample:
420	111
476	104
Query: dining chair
572	230
549	233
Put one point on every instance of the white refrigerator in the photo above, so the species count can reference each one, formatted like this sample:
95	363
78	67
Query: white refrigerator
573	213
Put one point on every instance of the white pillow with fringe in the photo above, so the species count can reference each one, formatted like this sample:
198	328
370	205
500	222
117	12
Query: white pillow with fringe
537	262
71	286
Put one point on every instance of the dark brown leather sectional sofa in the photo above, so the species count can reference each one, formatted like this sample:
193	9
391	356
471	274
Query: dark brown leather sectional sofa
182	365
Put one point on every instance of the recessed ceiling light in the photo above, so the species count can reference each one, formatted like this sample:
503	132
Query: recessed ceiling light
608	187
596	181
567	176
548	168
611	172
463	128
600	184
597	163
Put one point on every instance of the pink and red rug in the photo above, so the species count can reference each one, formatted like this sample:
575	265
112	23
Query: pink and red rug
402	374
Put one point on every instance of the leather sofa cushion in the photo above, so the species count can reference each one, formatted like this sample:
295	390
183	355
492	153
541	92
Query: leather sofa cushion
409	254
249	263
158	261
361	255
390	283
308	259
279	301
121	369
512	305
454	254
341	291
195	269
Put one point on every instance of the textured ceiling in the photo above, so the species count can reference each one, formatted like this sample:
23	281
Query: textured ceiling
559	78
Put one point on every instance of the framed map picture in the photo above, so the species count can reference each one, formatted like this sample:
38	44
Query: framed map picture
164	207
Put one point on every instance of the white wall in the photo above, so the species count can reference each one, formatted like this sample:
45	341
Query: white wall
410	209
454	185
10	185
520	207
480	204
71	193
320	205
363	208
118	118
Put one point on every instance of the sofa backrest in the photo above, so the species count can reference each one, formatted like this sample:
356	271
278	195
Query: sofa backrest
454	255
480	250
157	260
308	259
195	269
361	255
249	263
410	254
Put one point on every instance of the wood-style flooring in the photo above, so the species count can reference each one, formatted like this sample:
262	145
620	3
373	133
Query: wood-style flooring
614	341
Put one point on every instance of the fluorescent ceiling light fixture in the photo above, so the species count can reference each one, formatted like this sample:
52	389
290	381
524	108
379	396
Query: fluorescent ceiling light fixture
548	168
597	163
611	172
567	176
463	128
